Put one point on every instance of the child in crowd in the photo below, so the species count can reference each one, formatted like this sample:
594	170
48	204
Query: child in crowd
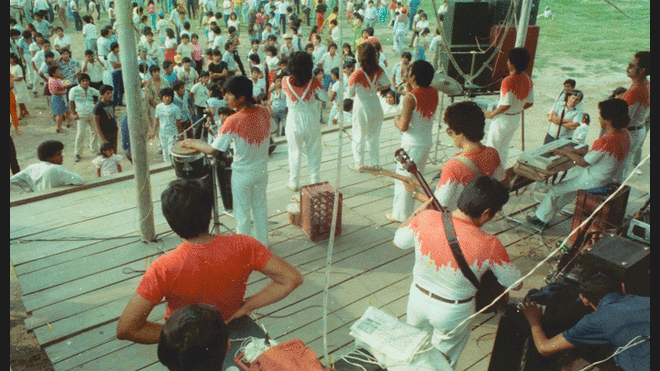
278	103
107	163
167	122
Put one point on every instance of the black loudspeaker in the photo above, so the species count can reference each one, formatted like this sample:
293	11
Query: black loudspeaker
628	260
467	23
499	9
464	59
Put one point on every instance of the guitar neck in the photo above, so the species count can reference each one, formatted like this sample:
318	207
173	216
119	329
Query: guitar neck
428	191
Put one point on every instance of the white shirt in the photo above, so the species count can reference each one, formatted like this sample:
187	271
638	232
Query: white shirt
84	99
45	175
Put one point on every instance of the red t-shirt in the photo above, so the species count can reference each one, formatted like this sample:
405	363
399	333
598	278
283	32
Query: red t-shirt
215	273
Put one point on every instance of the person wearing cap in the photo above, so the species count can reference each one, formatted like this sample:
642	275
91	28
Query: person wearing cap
143	56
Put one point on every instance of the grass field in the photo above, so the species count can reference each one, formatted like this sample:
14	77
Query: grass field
593	30
589	30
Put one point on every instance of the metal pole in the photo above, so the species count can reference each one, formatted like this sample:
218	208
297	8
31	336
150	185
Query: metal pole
136	119
521	36
521	32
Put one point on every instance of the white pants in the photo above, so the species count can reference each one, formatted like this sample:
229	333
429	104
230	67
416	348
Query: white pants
366	136
88	122
308	143
248	189
560	195
637	138
500	132
440	319
403	204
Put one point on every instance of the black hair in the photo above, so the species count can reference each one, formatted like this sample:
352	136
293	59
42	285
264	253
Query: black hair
167	92
52	70
570	82
301	66
187	206
519	58
240	86
466	118
423	72
594	285
48	149
105	88
84	76
194	338
615	110
644	61
154	68
481	194
368	58
348	105
106	146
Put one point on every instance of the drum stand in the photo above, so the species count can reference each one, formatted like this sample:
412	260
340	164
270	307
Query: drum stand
216	214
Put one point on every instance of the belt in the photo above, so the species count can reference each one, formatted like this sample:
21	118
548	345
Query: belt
436	297
635	128
512	114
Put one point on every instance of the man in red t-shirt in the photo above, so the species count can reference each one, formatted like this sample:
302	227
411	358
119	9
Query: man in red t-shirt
204	269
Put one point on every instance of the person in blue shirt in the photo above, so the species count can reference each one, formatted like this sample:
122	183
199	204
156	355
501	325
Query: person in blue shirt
618	319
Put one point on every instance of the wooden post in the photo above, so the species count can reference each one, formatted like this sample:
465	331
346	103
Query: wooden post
521	36
137	124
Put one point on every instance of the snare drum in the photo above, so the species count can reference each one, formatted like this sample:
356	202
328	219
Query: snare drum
188	163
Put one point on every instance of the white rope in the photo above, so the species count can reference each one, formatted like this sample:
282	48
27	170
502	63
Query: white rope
620	350
333	225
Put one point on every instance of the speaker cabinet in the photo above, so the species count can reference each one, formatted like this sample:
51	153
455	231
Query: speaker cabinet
467	23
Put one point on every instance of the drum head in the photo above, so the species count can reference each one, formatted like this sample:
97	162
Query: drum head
177	150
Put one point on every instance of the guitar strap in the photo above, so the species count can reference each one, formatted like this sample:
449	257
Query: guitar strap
452	240
450	232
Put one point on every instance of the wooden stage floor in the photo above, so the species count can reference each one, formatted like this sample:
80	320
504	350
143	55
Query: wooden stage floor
78	258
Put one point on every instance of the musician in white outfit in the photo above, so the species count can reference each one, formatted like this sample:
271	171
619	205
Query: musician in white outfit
363	87
303	132
249	131
416	124
516	95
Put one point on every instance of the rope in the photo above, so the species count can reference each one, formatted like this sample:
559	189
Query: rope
333	225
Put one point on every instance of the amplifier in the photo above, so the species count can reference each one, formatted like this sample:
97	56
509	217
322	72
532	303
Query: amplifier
628	260
316	204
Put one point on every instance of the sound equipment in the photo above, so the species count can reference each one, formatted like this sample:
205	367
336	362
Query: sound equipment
316	204
500	8
466	23
620	257
446	84
500	69
470	59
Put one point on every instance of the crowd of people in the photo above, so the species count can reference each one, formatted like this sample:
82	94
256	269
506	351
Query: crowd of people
198	91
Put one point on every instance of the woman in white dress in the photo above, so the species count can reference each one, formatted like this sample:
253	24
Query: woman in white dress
20	87
303	132
363	87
